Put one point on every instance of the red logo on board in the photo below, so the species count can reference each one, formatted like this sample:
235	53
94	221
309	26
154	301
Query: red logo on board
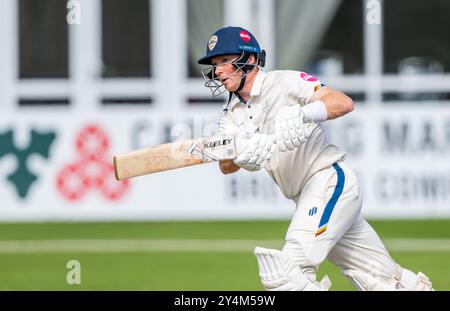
92	170
308	77
245	36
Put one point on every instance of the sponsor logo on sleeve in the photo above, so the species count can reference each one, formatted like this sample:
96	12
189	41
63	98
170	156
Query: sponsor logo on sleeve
308	77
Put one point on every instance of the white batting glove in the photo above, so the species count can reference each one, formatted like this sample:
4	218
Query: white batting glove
256	151
289	128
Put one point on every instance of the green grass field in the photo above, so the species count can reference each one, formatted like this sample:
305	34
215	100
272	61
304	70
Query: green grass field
175	256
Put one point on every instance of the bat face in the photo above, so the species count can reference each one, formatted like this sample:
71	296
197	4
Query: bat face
174	155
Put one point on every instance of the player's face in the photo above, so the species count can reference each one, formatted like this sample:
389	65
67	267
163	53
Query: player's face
226	72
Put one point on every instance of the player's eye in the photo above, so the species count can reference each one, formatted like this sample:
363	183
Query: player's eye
224	61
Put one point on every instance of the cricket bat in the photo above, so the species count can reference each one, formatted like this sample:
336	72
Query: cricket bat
174	155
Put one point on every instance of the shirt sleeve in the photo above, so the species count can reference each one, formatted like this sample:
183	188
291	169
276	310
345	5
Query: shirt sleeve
303	86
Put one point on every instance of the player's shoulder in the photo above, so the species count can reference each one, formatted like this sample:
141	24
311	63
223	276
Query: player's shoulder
277	74
280	77
293	76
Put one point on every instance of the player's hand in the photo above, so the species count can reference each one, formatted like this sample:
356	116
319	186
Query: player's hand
256	151
289	128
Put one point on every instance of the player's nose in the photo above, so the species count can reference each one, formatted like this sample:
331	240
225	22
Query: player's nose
218	71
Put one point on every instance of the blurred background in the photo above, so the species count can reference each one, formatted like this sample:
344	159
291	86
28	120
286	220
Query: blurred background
81	80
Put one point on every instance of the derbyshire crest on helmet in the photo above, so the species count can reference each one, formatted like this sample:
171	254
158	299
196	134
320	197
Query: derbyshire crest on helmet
212	42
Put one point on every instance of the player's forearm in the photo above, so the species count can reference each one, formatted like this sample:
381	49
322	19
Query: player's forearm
228	167
337	104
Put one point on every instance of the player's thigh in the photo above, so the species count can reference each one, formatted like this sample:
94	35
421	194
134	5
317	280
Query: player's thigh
362	249
326	208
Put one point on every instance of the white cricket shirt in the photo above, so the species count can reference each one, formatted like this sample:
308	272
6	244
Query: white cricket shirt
271	91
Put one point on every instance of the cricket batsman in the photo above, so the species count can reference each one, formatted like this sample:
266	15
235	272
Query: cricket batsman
277	118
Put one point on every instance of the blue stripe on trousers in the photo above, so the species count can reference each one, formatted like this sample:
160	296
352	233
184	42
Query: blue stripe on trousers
336	194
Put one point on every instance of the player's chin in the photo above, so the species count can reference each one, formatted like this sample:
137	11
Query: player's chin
229	86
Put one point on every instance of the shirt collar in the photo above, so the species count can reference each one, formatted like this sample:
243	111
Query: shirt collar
257	84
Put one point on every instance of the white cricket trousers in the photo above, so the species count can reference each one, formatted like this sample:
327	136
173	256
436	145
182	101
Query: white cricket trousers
327	223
